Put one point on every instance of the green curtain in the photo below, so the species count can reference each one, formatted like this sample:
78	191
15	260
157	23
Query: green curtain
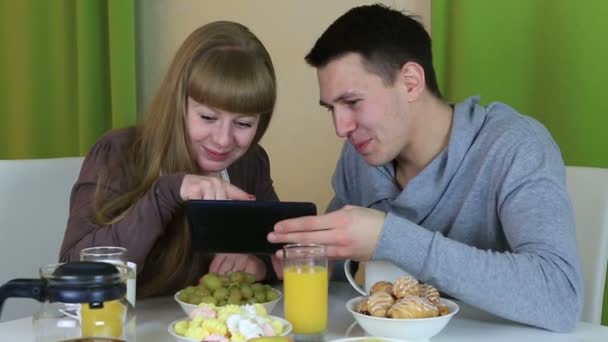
545	58
67	74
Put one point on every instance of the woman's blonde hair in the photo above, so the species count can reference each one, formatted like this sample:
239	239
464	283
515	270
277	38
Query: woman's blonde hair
222	65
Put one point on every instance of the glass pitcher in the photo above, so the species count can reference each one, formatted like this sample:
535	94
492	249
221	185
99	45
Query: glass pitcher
81	301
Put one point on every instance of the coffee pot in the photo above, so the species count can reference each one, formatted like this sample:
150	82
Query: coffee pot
80	301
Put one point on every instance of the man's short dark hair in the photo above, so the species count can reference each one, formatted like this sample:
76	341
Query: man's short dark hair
384	37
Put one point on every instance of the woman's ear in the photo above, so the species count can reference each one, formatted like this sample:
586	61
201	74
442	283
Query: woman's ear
412	77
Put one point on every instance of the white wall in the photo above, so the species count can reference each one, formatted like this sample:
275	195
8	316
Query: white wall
300	141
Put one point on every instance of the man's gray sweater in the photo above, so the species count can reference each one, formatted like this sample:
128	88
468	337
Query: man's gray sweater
488	221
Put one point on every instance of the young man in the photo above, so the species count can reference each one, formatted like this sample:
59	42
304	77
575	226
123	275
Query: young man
468	198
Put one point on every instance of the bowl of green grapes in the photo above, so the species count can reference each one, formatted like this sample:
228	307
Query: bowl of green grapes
237	288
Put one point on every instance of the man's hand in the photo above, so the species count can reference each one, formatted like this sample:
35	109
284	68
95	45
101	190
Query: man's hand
349	233
224	262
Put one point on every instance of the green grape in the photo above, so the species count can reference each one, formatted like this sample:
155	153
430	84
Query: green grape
233	301
260	296
220	293
271	295
194	299
249	278
189	290
201	282
212	281
236	292
209	300
184	296
234	297
246	291
237	277
221	302
257	287
225	279
250	300
202	291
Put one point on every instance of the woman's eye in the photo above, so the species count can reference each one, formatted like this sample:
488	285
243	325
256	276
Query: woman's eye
242	124
207	118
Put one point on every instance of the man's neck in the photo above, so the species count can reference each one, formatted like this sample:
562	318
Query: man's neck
433	125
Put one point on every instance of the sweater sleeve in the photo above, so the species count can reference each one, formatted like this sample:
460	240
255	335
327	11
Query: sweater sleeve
537	281
137	231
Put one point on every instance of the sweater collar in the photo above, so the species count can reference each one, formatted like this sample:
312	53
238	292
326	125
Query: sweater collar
423	192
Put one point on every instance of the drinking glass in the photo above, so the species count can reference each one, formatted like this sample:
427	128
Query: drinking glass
305	286
117	256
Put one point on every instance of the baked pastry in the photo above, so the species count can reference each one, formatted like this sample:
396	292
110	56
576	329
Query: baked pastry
412	307
379	303
362	306
443	310
406	286
381	286
430	293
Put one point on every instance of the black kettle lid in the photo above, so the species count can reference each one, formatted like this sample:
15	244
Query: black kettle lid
84	282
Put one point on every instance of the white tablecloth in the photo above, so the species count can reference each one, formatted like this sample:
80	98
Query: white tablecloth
469	325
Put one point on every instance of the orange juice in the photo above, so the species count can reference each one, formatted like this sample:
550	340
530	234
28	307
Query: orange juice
106	321
305	298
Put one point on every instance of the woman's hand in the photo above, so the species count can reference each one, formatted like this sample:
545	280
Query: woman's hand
196	187
277	264
225	262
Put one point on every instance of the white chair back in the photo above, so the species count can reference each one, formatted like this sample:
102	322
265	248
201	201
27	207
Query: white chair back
34	207
588	189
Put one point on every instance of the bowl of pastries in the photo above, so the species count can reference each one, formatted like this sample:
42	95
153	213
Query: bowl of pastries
234	288
403	309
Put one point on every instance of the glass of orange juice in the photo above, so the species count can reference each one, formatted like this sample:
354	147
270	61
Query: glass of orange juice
116	256
305	287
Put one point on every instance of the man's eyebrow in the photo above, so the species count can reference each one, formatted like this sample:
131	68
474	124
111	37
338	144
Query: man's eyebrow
340	98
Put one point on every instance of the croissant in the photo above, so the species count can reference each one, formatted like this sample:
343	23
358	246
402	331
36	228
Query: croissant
382	286
430	293
362	306
406	286
412	307
379	303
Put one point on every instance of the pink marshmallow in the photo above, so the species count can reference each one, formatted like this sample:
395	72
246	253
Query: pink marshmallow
267	329
204	311
216	338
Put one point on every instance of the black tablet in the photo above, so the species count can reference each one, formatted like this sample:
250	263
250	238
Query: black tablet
227	226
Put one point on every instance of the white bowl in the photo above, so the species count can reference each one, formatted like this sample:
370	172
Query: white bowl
286	329
415	329
188	308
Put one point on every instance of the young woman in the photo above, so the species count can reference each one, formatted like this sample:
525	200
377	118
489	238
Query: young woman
198	140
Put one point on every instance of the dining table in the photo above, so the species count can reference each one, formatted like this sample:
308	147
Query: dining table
470	324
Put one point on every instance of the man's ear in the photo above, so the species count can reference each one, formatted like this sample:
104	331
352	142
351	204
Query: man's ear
412	77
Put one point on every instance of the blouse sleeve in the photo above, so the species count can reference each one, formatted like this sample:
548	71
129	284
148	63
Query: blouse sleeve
264	188
138	230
